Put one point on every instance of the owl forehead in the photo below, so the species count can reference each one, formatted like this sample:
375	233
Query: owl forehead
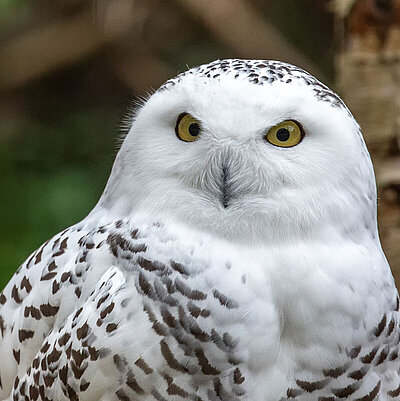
261	73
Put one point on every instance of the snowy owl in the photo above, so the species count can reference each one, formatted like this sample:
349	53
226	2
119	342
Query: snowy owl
233	256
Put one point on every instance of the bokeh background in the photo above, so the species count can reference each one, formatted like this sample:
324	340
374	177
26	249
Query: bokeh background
70	71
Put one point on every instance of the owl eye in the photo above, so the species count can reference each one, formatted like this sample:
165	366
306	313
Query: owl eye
285	134
187	128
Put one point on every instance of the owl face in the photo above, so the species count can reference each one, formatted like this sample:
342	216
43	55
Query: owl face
248	160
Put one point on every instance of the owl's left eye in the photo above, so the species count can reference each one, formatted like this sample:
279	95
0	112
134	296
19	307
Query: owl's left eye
285	134
187	128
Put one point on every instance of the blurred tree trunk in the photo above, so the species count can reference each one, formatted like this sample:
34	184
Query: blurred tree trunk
368	78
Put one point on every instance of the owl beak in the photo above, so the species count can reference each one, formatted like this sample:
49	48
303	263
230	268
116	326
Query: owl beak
225	187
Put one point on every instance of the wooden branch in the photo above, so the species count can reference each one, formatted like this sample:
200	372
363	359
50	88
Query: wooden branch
60	43
238	24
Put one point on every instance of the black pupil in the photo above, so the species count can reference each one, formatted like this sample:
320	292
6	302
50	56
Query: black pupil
283	134
194	129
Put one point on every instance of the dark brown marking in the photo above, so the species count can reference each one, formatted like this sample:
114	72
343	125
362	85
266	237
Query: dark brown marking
45	347
15	295
25	283
32	311
25	335
116	241
335	373
55	287
381	326
65	276
122	396
382	356
3	299
73	396
346	391
133	384
84	386
49	310
206	368
170	359
78	312
293	392
2	326
35	363
191	327
120	363
101	300
63	374
107	310
143	365
78	371
146	287
33	393
394	393
64	339
48	380
185	290
194	310
111	327
36	377
238	378
369	357
38	255
78	356
224	300
311	386
354	352
17	355
173	389
83	331
157	395
54	356
48	276
371	395
94	353
52	266
63	247
219	341
152	266
390	327
150	313
358	374
178	267
168	317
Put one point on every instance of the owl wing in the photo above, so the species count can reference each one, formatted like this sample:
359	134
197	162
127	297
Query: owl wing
121	320
44	291
73	362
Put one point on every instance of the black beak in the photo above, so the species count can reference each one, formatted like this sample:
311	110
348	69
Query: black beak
225	187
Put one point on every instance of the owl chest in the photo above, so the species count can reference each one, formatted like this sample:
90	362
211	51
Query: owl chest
226	321
215	330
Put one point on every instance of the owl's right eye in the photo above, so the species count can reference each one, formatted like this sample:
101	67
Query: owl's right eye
187	128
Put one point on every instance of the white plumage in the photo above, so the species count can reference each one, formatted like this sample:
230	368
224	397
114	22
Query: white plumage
225	266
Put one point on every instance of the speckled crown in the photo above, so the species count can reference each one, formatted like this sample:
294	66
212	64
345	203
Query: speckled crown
260	72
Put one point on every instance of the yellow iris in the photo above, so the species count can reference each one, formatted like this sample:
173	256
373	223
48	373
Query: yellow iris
285	134
187	128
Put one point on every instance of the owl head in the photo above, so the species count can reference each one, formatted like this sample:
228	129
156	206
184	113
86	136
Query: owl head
251	150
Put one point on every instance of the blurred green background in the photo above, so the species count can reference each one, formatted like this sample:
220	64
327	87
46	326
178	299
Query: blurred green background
70	69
